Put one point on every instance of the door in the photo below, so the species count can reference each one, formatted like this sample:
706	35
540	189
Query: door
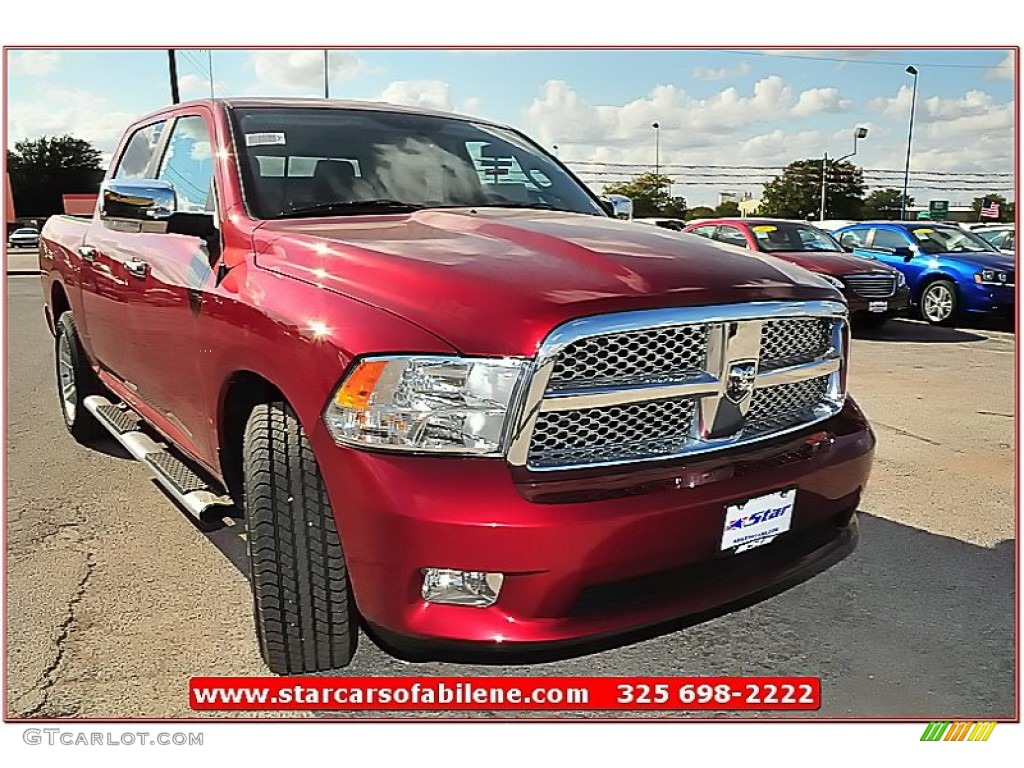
161	345
102	255
889	246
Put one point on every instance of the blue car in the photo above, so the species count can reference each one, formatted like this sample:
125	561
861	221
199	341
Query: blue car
951	273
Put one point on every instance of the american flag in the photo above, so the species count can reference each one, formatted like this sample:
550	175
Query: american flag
989	209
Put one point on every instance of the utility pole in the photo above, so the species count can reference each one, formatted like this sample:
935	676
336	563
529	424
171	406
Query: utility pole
327	77
824	182
209	59
172	65
912	71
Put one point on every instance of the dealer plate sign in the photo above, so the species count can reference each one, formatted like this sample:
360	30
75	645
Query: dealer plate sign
758	518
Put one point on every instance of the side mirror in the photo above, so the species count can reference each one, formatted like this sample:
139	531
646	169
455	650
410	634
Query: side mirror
607	206
905	252
137	200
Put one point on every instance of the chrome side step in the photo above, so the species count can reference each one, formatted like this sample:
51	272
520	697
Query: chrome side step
184	485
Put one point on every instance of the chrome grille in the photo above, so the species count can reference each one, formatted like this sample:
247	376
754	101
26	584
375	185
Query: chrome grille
632	431
872	286
649	355
784	342
782	406
655	384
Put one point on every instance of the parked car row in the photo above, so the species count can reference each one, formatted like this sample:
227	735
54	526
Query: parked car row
883	268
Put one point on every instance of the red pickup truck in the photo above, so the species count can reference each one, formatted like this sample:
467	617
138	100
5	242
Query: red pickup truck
453	396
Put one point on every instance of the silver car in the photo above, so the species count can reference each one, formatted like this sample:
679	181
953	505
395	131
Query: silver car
26	237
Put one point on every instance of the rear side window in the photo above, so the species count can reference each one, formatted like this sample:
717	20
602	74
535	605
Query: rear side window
134	161
705	231
731	236
188	165
853	239
888	239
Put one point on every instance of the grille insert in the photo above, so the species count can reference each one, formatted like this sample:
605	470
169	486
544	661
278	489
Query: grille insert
631	431
645	356
872	286
783	406
785	342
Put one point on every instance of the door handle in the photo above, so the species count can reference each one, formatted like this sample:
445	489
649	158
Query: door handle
87	252
137	268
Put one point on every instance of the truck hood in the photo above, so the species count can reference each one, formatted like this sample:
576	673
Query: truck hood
835	264
496	281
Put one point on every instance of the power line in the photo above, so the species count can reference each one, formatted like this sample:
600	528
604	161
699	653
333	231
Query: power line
874	62
774	168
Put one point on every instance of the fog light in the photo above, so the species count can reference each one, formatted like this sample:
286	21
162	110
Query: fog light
476	588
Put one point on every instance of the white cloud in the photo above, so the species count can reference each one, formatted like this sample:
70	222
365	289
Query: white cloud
55	111
1004	70
304	70
974	113
817	100
428	94
709	73
34	63
474	105
561	116
191	84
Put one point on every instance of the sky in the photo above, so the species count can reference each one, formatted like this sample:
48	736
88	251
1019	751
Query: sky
728	118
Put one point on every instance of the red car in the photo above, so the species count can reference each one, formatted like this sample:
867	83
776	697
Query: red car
873	291
454	398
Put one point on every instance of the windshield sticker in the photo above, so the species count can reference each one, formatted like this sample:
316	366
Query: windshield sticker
765	228
923	231
264	139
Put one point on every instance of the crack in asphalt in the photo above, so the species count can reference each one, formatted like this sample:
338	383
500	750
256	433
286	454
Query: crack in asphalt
904	433
48	677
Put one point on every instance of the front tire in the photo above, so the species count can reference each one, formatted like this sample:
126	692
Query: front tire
939	302
76	380
305	614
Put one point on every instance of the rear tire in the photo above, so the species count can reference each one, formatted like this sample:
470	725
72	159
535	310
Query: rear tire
305	615
76	380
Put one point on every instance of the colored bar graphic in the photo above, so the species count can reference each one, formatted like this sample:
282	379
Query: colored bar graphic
941	730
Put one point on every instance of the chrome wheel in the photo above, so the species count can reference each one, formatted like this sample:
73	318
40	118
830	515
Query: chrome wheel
66	378
937	303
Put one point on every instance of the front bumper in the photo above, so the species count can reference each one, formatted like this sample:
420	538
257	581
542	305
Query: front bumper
988	299
586	556
895	304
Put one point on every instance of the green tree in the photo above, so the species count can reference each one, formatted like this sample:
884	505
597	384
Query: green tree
796	193
1006	210
700	212
728	209
884	204
651	195
44	169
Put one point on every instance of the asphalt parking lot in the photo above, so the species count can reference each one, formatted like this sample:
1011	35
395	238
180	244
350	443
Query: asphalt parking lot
115	598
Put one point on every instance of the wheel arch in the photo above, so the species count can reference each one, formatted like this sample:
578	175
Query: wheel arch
932	277
242	391
58	305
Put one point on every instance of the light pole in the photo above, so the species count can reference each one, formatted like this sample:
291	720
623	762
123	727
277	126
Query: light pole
912	71
860	132
327	77
657	148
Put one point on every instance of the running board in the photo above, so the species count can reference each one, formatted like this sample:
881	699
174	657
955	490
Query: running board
184	485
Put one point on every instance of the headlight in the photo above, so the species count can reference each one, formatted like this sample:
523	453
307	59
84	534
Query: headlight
435	404
993	277
835	281
901	279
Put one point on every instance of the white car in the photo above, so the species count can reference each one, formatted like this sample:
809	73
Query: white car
26	237
673	224
1002	236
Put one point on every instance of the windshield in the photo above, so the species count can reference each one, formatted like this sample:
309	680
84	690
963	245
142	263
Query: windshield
26	232
347	161
1000	238
792	237
948	240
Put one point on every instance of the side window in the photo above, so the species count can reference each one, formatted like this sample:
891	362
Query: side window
141	147
853	239
888	239
188	165
731	236
707	230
